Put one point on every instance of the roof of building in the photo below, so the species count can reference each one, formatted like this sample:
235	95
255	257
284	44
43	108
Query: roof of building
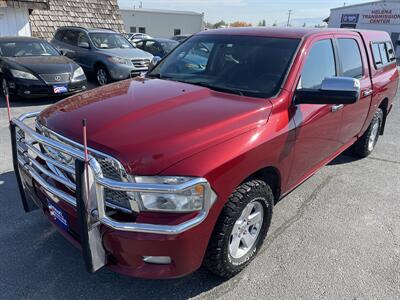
162	11
87	14
363	4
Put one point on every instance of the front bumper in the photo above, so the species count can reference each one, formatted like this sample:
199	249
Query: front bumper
121	72
32	89
105	240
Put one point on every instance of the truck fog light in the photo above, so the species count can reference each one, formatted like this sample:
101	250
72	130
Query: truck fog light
159	260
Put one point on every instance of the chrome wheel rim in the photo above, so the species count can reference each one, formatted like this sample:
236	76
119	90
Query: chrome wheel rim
101	77
246	229
4	87
373	136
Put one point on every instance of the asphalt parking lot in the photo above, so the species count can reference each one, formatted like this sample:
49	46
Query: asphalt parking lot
336	236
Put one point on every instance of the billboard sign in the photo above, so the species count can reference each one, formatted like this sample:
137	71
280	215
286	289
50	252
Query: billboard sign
381	16
350	18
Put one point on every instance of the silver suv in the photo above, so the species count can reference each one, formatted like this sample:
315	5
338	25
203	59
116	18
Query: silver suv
106	53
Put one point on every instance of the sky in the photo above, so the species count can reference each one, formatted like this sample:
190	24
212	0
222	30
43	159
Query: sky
311	12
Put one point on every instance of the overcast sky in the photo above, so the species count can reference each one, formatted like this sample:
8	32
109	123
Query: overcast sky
309	11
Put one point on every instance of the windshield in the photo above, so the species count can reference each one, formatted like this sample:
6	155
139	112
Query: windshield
27	48
106	40
169	46
245	65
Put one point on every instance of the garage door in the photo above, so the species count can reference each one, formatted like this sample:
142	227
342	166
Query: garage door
14	22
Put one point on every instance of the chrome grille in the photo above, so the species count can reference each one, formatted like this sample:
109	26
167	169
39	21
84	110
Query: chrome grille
110	168
56	78
141	63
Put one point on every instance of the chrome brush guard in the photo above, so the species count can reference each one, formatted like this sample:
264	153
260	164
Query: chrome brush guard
91	207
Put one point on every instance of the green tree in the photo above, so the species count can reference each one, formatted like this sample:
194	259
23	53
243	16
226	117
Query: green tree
262	23
219	24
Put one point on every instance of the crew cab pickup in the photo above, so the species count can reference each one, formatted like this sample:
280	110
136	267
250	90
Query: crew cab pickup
159	175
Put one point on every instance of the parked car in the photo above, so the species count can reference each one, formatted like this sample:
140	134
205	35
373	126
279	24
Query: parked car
135	37
107	54
185	165
157	47
30	67
180	38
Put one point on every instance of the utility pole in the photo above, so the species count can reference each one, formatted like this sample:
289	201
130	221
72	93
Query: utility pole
289	15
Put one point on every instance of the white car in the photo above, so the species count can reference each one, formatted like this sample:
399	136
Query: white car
135	37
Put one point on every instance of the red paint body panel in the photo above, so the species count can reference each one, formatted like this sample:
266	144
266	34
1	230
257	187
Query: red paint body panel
170	128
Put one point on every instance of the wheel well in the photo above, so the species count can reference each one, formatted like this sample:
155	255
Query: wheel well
271	176
97	65
384	106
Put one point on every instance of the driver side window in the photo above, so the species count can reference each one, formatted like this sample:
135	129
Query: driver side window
320	64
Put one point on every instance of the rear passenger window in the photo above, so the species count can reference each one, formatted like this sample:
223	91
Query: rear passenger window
320	64
70	37
390	51
384	55
377	54
350	58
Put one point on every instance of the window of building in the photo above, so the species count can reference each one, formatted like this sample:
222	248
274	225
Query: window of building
142	29
177	32
350	58
132	29
314	72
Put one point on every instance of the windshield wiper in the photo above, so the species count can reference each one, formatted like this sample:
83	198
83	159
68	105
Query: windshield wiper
218	88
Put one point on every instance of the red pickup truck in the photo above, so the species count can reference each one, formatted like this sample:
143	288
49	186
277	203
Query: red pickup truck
181	168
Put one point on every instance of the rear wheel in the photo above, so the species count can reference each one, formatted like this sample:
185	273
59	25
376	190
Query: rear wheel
102	76
240	229
367	142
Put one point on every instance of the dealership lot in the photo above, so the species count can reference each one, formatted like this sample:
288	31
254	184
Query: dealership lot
336	236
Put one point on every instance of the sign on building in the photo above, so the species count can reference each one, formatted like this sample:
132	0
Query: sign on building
381	16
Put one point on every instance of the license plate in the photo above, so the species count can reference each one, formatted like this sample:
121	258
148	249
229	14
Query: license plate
58	215
59	89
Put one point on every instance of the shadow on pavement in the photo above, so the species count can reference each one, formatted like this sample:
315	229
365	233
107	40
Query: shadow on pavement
37	262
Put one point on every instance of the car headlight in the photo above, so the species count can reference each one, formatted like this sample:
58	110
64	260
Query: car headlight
119	60
190	200
23	75
78	75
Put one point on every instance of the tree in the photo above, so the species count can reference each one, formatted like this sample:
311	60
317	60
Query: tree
262	23
219	24
240	24
304	24
275	24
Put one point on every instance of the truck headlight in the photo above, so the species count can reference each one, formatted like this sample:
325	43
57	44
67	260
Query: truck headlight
190	200
78	75
22	74
119	60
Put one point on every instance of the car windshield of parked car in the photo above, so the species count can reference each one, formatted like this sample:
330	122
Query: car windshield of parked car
244	65
105	40
168	46
27	48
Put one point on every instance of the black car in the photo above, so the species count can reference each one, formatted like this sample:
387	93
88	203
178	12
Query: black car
157	47
32	67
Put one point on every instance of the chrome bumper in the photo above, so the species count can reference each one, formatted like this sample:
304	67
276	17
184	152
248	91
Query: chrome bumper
95	205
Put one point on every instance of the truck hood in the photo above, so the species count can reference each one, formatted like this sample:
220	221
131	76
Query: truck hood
151	124
57	64
127	53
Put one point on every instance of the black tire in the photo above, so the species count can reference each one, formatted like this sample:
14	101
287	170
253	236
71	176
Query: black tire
218	258
105	75
366	143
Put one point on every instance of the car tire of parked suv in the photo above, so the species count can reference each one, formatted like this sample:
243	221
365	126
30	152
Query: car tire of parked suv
102	75
366	143
240	229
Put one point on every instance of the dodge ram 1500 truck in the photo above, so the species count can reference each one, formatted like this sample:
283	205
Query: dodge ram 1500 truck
156	176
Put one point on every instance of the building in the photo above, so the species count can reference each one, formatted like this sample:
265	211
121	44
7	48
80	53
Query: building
378	15
162	23
42	18
14	16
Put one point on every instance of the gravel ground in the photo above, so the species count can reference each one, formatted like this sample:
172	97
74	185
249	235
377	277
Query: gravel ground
336	236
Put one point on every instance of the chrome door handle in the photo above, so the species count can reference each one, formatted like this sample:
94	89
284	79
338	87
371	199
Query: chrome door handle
368	92
335	108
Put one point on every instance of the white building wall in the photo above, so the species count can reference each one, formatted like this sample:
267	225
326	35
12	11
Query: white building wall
162	24
14	21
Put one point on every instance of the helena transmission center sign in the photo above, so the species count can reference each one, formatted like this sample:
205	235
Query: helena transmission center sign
380	16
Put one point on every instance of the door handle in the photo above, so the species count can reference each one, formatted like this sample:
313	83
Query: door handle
335	108
368	92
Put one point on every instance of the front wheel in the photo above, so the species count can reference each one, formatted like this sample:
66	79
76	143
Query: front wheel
367	142
240	229
102	76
